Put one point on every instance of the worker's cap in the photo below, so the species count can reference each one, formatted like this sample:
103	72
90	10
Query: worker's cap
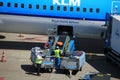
57	47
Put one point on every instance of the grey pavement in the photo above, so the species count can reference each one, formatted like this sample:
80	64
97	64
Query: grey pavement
19	67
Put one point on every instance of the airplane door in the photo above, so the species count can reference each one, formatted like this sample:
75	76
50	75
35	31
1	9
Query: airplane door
115	9
64	30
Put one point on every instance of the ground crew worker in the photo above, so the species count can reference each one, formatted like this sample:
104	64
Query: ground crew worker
49	44
57	57
39	62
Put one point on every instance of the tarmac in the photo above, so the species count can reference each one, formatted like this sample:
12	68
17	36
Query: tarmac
19	67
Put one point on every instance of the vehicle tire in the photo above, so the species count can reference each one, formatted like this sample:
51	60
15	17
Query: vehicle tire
108	59
105	50
80	69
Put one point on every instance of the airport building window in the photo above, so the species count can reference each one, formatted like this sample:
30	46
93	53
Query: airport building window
22	5
77	9
30	6
97	10
91	10
44	7
15	5
84	9
8	4
37	6
1	3
51	7
71	8
65	8
58	7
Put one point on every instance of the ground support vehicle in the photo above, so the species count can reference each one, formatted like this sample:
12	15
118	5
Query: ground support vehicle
112	38
46	63
75	61
70	59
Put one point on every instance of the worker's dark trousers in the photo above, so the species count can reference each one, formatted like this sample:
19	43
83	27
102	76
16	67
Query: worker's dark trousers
57	63
38	68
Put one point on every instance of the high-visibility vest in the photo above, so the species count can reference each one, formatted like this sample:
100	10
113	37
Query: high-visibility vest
38	61
57	53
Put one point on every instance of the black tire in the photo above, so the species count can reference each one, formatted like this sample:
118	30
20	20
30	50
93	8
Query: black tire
108	60
105	50
80	69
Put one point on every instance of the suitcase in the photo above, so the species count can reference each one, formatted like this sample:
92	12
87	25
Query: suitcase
59	44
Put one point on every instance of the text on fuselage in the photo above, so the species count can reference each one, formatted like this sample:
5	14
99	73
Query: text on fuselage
67	2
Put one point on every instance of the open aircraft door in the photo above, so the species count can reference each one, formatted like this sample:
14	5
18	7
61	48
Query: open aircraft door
65	30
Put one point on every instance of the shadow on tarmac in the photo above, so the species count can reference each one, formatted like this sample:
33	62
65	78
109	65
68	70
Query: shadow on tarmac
104	66
65	71
84	44
89	45
29	69
19	45
2	37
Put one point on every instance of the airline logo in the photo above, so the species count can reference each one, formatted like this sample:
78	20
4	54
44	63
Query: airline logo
61	21
67	2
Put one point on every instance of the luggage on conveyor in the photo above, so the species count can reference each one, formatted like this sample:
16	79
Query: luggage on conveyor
59	43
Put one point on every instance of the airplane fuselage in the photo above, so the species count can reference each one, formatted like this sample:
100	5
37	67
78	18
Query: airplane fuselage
37	16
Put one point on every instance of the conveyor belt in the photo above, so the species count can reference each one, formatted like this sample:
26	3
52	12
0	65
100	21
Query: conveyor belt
64	40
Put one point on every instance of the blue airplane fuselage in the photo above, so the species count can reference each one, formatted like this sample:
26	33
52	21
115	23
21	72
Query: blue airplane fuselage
87	17
73	9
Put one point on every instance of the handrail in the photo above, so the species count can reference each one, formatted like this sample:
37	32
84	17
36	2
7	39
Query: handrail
67	44
56	40
71	45
66	40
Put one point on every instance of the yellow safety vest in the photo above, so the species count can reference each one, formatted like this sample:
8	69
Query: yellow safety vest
38	61
57	53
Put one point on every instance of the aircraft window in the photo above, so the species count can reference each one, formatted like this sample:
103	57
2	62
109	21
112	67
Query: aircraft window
15	5
30	6
8	4
37	6
58	7
65	8
97	10
22	5
44	7
1	3
51	7
84	9
71	8
91	10
78	9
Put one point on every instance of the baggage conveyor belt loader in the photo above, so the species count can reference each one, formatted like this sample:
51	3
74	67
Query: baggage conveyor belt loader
70	59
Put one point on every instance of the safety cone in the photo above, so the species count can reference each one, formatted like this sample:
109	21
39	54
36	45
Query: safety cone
3	57
21	35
